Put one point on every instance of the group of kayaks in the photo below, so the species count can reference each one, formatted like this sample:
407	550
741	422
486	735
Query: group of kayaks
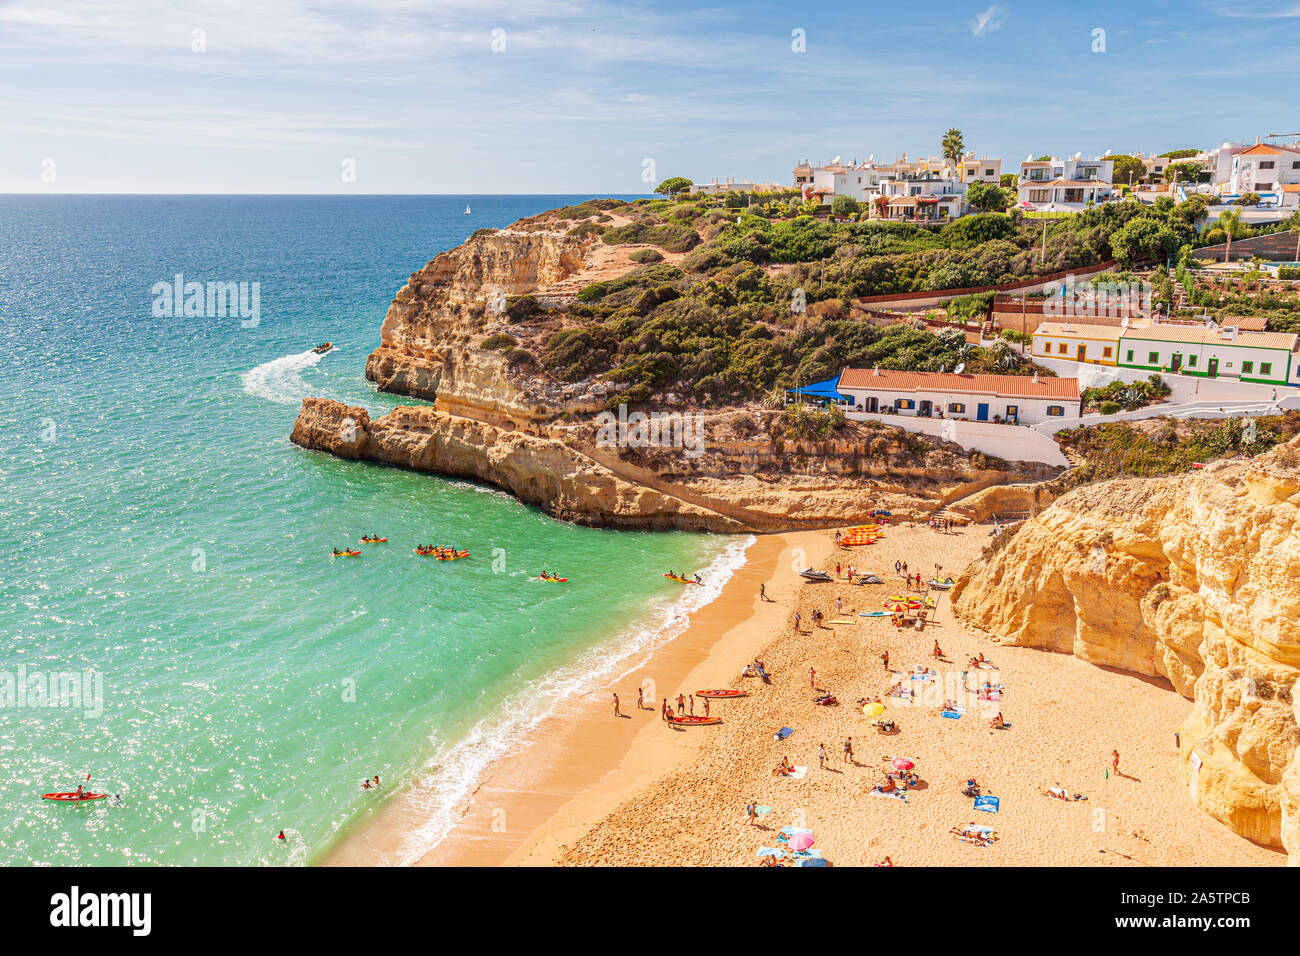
443	554
698	720
860	535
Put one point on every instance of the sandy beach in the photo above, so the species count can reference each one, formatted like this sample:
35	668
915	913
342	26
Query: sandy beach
595	789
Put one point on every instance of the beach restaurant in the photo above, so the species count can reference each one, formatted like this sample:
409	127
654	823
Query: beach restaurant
1009	399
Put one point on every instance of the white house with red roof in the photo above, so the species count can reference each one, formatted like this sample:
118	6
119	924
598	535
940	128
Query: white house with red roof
1009	399
1064	183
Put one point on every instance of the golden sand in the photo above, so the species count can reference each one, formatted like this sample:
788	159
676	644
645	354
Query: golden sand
599	790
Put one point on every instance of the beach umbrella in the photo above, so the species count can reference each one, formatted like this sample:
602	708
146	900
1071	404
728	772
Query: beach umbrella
902	763
801	841
873	709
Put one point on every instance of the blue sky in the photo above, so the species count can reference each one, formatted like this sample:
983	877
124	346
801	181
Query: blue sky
112	96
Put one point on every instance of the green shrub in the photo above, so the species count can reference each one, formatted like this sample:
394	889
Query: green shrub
646	256
495	343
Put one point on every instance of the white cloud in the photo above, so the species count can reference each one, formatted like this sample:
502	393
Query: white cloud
988	21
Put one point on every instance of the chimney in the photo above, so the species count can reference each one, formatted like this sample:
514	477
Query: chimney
1035	378
876	371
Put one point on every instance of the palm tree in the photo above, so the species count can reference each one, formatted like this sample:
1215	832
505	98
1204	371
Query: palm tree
1229	221
952	146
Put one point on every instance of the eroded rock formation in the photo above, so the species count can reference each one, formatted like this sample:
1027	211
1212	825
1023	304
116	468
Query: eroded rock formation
1195	579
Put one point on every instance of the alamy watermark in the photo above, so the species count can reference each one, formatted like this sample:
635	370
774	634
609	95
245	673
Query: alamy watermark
1117	300
84	690
651	430
211	300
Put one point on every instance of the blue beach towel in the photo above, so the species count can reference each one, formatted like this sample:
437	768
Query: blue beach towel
783	733
953	714
987	803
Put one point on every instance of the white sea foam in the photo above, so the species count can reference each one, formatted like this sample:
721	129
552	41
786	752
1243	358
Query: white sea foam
280	380
457	768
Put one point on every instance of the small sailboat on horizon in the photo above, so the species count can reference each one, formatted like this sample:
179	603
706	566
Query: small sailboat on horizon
467	209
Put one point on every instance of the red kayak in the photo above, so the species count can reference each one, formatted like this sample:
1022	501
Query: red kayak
697	721
723	693
71	797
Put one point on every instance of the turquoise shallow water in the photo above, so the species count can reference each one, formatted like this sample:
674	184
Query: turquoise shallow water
163	536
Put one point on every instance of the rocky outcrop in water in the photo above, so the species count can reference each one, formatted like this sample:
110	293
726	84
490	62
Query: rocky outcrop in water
1194	579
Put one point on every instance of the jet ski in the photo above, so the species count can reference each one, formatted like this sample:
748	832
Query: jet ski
812	575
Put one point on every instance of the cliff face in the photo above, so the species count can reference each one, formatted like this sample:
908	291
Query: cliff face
568	475
1192	578
536	470
426	345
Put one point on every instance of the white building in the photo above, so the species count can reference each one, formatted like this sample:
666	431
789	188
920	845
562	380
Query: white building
1012	399
928	197
1211	352
1064	183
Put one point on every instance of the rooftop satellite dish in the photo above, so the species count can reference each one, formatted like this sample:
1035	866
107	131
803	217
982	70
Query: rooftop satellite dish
1108	152
835	161
1078	155
959	369
1029	158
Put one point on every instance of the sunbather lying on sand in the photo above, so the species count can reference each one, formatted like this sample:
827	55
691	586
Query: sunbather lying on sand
888	786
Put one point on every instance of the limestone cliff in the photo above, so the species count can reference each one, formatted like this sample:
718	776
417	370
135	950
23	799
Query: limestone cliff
429	338
536	470
1195	579
734	484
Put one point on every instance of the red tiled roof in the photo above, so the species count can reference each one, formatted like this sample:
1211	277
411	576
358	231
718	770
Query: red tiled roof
1010	386
1259	149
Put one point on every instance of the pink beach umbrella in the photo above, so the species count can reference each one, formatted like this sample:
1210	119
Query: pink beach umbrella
801	841
902	763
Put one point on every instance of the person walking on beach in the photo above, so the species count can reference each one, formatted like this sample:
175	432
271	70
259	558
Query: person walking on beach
838	602
762	592
681	703
616	711
938	651
751	812
837	569
706	707
884	660
848	749
905	567
796	620
640	698
1114	760
821	756
837	533
692	705
665	712
812	678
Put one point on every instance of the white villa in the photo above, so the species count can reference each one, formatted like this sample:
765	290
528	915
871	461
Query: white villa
933	188
1010	399
1064	184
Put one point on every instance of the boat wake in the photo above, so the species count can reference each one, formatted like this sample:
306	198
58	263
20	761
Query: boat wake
280	380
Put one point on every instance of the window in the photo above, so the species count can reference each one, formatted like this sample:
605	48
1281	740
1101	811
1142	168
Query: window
1247	368
989	172
1062	348
1265	368
1191	361
1296	164
1106	352
1055	411
957	408
1130	356
906	403
1267	164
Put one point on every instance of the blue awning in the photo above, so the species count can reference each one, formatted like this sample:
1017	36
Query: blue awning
820	390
